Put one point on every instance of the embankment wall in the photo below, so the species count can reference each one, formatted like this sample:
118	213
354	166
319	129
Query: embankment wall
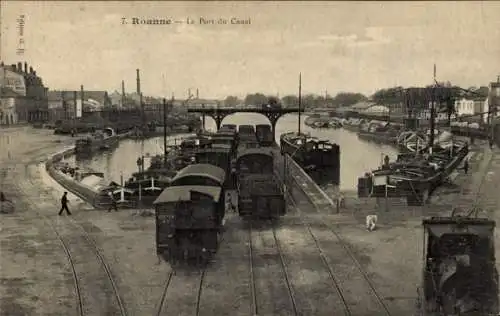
81	190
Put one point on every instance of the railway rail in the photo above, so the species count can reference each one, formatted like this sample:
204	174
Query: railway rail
285	270
253	291
383	309
70	256
474	199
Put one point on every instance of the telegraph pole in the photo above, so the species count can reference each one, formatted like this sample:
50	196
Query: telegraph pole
431	139
300	97
165	131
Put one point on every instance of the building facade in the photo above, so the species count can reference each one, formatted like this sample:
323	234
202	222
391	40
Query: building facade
24	97
65	104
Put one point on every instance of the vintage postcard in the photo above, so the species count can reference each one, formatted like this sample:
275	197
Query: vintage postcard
249	158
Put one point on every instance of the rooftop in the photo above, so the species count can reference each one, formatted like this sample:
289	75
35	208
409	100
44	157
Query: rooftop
184	193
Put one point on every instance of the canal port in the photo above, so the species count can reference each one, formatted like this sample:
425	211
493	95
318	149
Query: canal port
398	227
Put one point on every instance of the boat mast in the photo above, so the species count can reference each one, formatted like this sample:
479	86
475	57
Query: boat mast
300	96
165	132
433	100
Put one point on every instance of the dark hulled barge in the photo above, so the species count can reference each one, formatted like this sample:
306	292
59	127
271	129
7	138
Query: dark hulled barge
100	140
319	158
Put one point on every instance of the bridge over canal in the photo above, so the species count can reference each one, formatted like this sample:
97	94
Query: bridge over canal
219	113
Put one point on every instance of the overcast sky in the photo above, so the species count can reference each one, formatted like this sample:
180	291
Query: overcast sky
351	46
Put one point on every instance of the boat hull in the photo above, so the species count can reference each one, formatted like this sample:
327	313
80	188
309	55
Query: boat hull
378	138
322	165
96	145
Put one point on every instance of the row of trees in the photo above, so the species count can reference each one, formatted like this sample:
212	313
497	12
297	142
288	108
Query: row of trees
413	96
308	100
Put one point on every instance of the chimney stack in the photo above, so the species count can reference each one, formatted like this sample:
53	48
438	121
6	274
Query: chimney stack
189	93
123	88
25	67
75	106
138	83
197	94
81	94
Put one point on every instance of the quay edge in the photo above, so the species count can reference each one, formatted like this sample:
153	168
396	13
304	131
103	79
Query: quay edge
81	190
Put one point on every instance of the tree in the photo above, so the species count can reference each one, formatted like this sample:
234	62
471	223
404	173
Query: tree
393	95
290	101
348	98
231	101
256	99
273	101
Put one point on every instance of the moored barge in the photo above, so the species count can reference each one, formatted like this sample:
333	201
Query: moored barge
319	158
413	176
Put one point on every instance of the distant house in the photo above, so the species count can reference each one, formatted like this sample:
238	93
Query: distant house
62	103
468	106
376	110
361	106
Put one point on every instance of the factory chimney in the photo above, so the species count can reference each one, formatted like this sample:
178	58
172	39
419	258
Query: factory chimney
123	92
138	83
81	95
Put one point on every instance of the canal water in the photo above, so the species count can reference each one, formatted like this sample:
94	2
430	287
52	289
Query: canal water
357	157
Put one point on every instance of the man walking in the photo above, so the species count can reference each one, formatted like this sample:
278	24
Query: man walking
64	204
466	165
113	203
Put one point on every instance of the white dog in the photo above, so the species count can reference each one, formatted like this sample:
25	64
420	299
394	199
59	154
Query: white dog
371	222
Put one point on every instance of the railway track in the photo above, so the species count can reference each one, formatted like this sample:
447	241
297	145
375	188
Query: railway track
474	199
253	291
285	270
159	309
90	245
383	309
